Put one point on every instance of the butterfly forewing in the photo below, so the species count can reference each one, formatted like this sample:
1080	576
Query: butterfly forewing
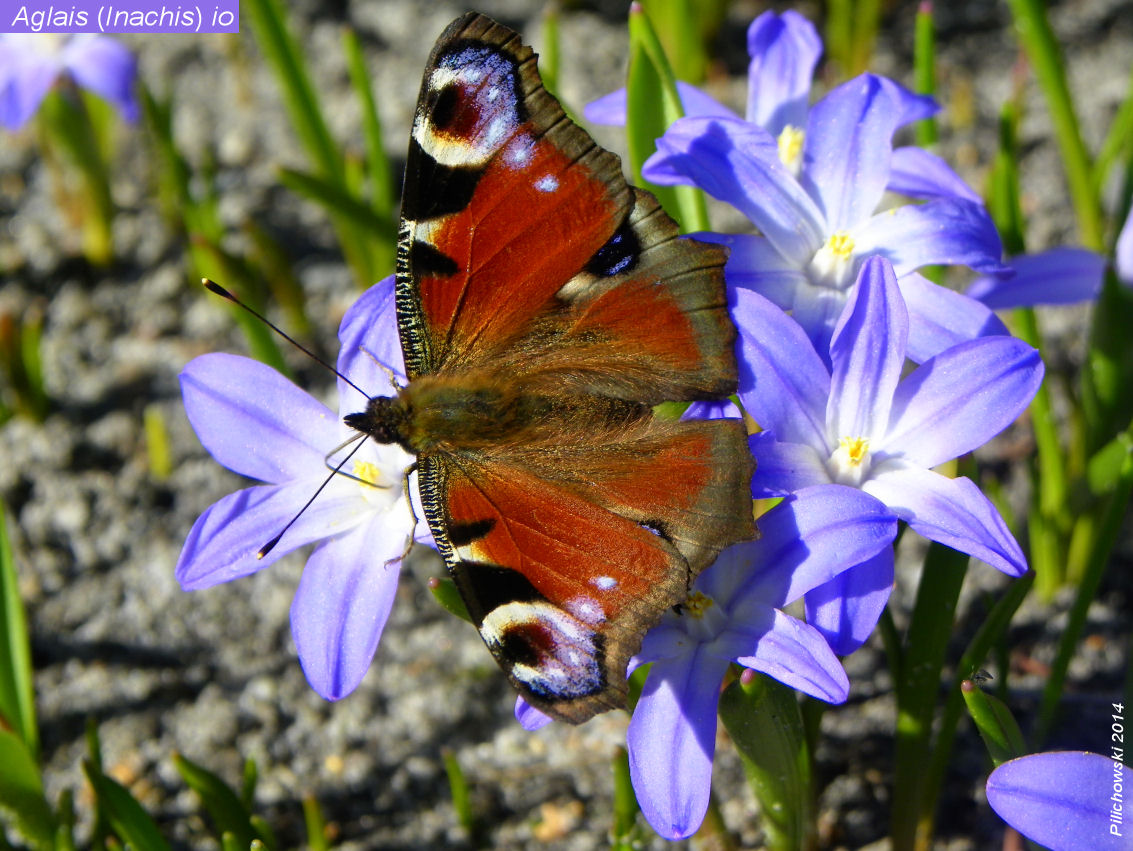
544	307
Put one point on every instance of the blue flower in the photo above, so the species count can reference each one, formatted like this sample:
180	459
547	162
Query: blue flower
1063	800
1064	275
257	423
860	424
734	614
813	198
31	63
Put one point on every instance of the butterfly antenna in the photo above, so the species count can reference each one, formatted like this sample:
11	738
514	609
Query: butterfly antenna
270	545
214	287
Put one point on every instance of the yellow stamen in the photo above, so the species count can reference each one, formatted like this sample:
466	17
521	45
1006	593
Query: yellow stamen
791	147
855	449
841	245
368	475
697	604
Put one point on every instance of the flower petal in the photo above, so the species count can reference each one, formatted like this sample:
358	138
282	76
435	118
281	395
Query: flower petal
784	51
755	264
867	353
254	421
719	409
672	740
1061	800
27	72
611	108
808	539
107	68
961	398
947	231
1123	257
370	347
847	608
738	162
783	384
341	606
530	718
796	655
1062	275
940	318
917	173
223	543
849	138
952	511
783	468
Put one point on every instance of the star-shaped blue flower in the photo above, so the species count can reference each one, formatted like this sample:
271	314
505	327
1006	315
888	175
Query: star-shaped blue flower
734	614
860	424
257	423
31	63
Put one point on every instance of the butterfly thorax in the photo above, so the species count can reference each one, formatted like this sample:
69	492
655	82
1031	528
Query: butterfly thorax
454	413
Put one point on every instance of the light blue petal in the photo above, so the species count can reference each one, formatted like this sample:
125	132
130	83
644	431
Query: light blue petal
1062	275
808	539
910	106
254	421
847	608
370	347
1123	259
960	399
917	173
940	318
223	543
796	655
783	468
849	139
341	606
716	410
107	68
867	353
668	640
946	231
755	264
784	51
952	511
738	163
671	741
783	384
27	72
1062	800
611	108
530	718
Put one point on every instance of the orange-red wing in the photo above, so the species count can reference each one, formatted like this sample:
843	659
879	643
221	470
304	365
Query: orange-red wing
505	199
566	555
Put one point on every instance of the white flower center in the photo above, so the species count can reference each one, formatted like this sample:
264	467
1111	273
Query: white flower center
849	464
833	265
791	140
374	484
701	617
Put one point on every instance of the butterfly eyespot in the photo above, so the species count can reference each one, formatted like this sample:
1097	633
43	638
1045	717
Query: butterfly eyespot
443	106
618	256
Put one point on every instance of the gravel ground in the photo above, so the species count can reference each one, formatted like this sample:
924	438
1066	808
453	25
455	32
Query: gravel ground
212	674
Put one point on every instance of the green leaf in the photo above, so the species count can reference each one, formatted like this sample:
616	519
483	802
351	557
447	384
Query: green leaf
624	831
126	817
766	725
377	163
924	70
444	592
22	803
995	723
652	104
222	803
315	823
338	200
17	692
458	787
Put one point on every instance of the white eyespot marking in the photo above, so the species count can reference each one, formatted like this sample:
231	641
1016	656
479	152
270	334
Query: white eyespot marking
604	583
586	609
547	183
556	655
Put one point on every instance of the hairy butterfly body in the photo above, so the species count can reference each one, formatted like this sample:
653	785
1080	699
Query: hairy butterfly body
544	306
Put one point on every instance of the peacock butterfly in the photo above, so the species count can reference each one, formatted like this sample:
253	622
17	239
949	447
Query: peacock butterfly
544	306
